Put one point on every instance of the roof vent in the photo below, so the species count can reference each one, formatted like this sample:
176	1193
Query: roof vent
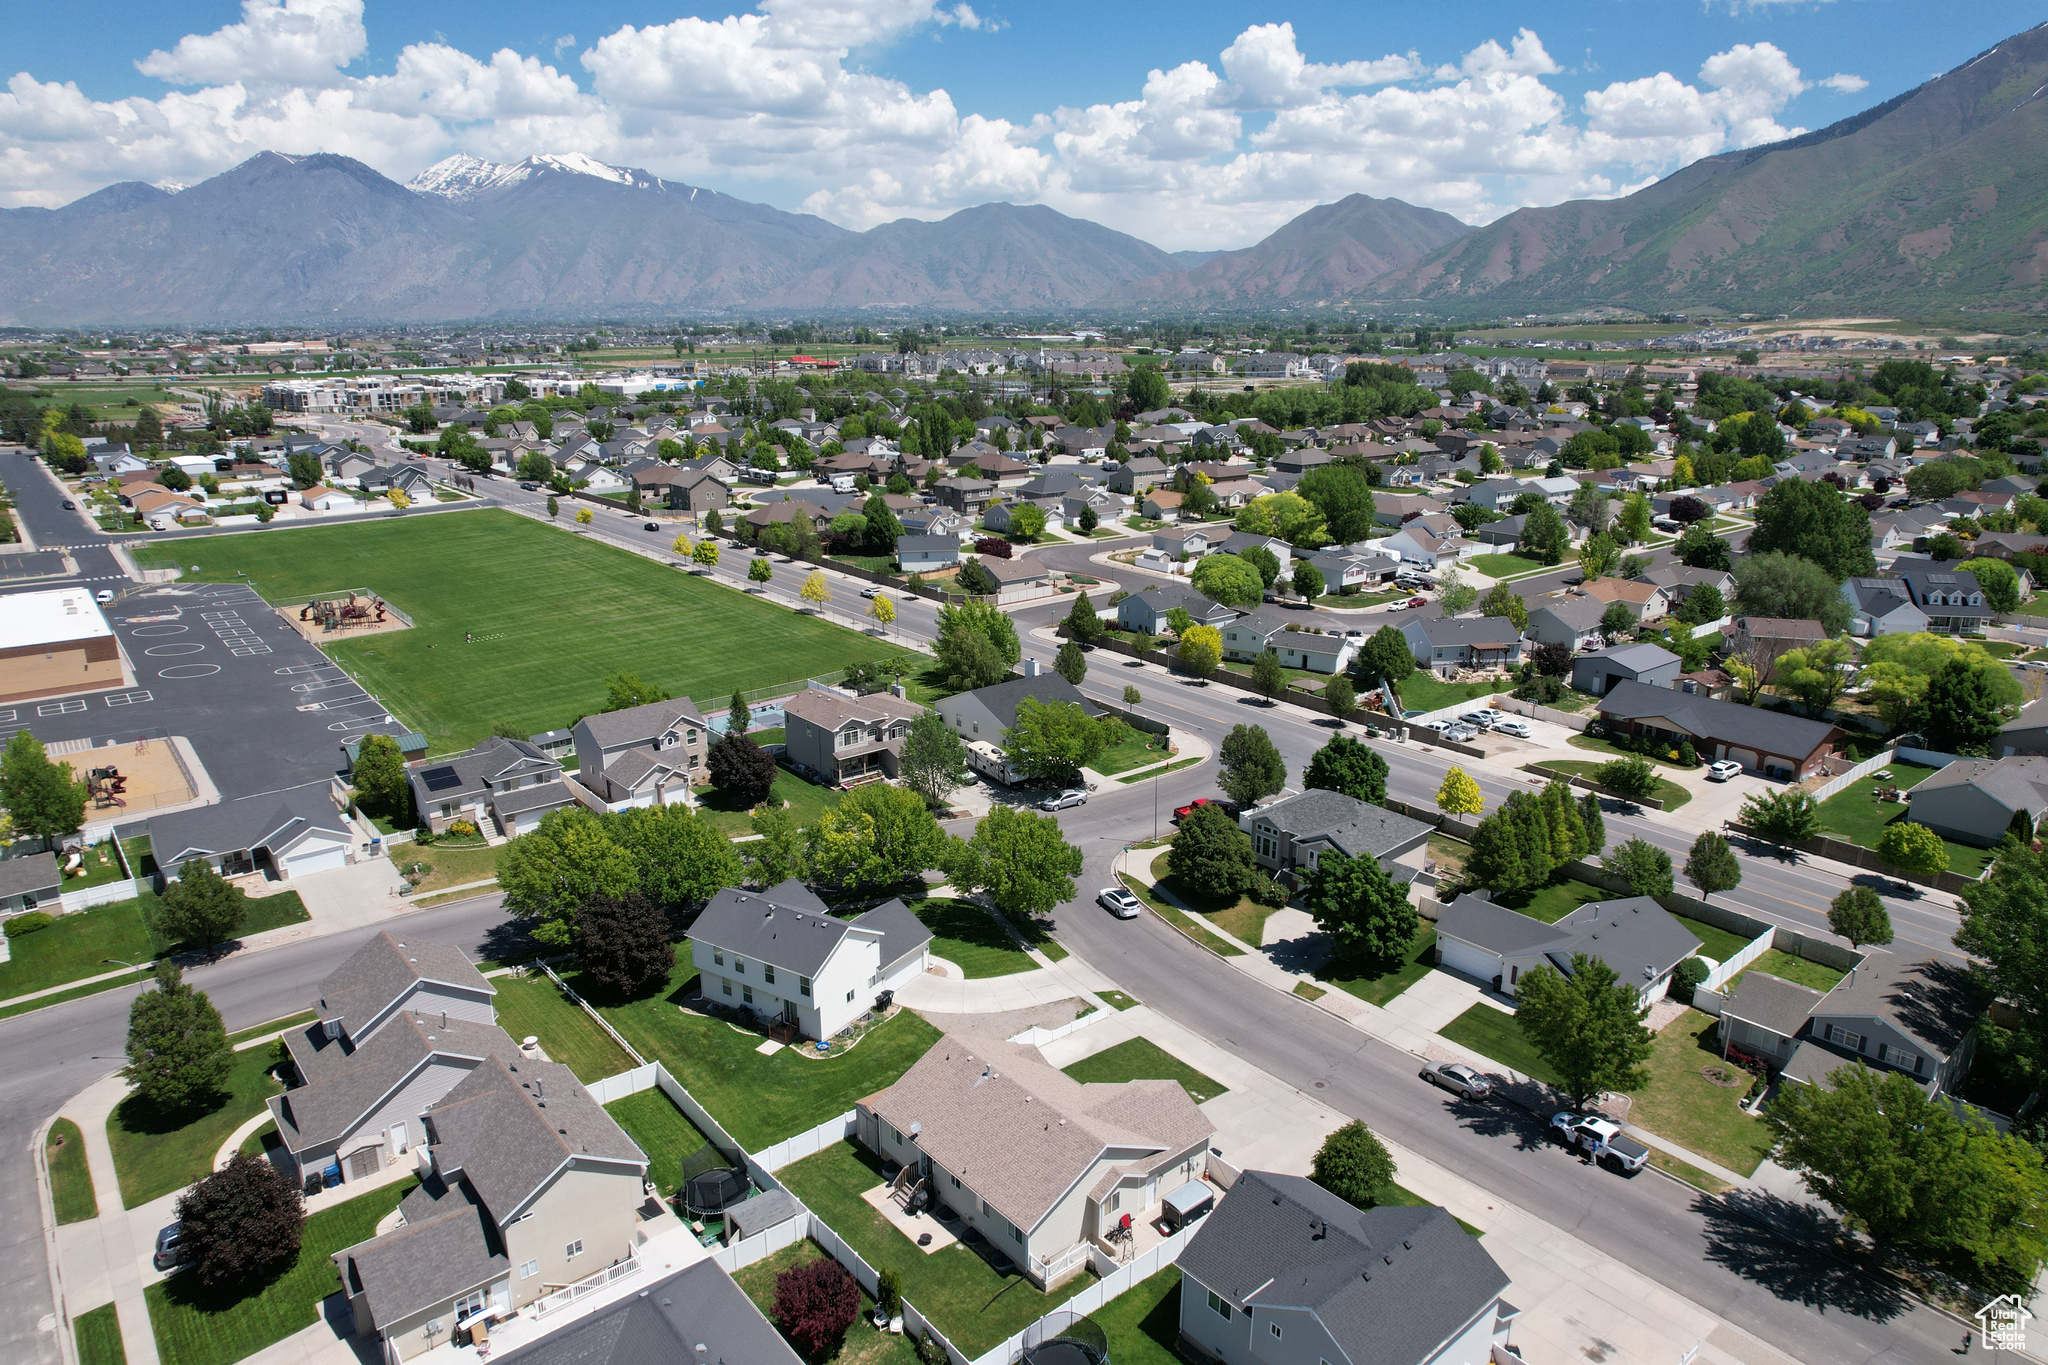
1388	1258
1407	1245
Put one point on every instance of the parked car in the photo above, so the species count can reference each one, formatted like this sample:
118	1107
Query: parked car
1118	902
870	592
1439	723
103	596
1398	606
1514	725
1072	796
70	506
526	486
1721	769
170	1252
1418	601
1182	813
1459	734
1479	720
1459	1079
1598	1139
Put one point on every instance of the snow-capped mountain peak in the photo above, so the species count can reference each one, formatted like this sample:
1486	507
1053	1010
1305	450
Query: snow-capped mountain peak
463	176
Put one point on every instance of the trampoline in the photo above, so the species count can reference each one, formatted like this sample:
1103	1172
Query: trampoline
714	1192
1065	1338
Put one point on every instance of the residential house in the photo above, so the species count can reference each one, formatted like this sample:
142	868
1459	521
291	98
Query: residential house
683	489
281	834
1000	517
935	521
532	1186
1980	800
644	755
784	955
969	497
1144	612
1639	939
1285	1273
1237	542
1314	641
1882	606
1022	579
1293	832
397	1024
1645	601
408	479
1766	638
1395	509
29	881
1679	580
1766	741
1651	665
1445	644
927	553
1139	474
1161	504
327	500
2027	732
1572	621
508	781
1043	1166
1416	544
1110	508
986	712
847	739
788	511
1953	600
1351	567
1191	543
700	1305
1507	532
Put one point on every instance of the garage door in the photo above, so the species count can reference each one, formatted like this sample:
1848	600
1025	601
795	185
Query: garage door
325	860
527	823
1463	957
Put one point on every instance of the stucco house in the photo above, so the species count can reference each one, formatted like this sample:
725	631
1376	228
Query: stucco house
1145	611
1291	833
1572	621
986	712
643	755
847	739
1635	936
1977	801
509	781
1652	665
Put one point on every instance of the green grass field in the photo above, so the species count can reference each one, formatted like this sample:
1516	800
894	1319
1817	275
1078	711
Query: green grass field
535	1006
70	1181
1504	565
1670	793
1422	692
1405	971
98	1334
663	1131
1491	1033
157	1154
1682	1104
1141	1059
971	938
552	614
1798	970
1854	814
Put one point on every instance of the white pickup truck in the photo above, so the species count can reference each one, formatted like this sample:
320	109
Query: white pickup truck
1600	1139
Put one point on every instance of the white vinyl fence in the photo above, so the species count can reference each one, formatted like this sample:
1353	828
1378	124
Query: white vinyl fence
1726	971
1863	769
74	901
830	1133
1115	1280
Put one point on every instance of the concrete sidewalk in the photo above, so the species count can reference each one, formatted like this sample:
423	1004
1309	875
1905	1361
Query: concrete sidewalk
97	1261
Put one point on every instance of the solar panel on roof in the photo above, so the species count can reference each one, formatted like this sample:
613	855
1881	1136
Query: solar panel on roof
441	779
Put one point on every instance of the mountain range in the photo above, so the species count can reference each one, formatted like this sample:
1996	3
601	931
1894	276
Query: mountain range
1936	198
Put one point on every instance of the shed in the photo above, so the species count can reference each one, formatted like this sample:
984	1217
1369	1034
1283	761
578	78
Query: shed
751	1217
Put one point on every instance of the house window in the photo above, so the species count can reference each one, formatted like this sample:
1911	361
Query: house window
472	1302
1116	1201
954	1178
1017	1235
717	957
849	997
1852	1041
767	973
739	966
1274	1328
573	1250
803	985
529	1269
726	982
1218	1305
747	994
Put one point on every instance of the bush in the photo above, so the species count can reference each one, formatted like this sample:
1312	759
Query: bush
1267	892
29	923
1688	977
242	1225
462	829
889	1299
1353	1164
815	1304
1686	754
1542	689
1631	777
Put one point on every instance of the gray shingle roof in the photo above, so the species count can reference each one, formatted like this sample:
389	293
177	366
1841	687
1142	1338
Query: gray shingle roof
546	796
1496	631
908	544
31	875
1749	727
1357	828
1639	658
700	1306
1476	919
2017	783
1389	1284
1781	1006
763	1211
641	724
785	926
275	821
341	1088
1001	698
508	1127
1933	1002
380	972
1637	937
442	1250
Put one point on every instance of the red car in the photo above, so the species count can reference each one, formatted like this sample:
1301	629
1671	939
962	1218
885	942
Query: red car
1226	807
1418	601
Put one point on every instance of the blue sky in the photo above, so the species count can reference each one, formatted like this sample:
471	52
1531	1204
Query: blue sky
1192	125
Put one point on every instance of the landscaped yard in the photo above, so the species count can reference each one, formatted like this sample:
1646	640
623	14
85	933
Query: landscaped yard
102	865
807	801
196	1328
862	1344
1670	793
1681	1104
1357	600
1719	944
1492	1033
1141	1059
98	1334
1612	750
75	946
1855	815
1242	917
759	1100
156	1154
1142	1324
1411	967
1504	566
447	865
535	659
1798	970
535	1006
970	937
973	1306
1138	748
1191	925
1554	901
70	1181
1424	692
663	1131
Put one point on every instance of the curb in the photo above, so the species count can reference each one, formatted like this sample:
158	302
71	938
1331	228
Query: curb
46	1201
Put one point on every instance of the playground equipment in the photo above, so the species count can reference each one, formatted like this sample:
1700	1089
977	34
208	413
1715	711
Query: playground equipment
106	786
340	614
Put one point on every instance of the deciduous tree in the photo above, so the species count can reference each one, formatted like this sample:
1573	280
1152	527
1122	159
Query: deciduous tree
1505	601
549	875
1201	650
1913	847
1783	817
814	1305
1052	741
1814	521
1785	585
1250	767
1354	1165
1268	676
1364	911
1349	766
379	776
1588	1026
933	758
760	571
1712	865
1386	656
241	1226
623	691
1458	794
1020	859
1818	673
816	590
1229	580
624	945
778	854
960	626
877	836
201	909
1858	915
1645	867
1340	698
1210	855
1308	580
178	1053
681	858
42	796
739	768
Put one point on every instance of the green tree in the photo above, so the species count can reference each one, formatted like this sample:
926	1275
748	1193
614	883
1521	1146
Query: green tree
1308	580
1454	594
240	1227
1645	867
1634	520
778	854
1618	622
1913	848
1818	673
1210	855
1703	604
1628	776
1070	663
933	759
1511	847
2005	926
1814	521
1339	697
1699	548
883	528
42	797
1505	601
1349	766
1858	915
681	858
877	836
1264	562
706	553
549	875
1712	865
1561	819
760	571
2000	582
624	945
1201	650
1545	538
1148	390
201	909
1250	767
1229	580
1342	493
1082	622
1594	822
960	627
1458	794
1019	859
1027	521
178	1053
1268	676
1787	586
1354	1165
1364	911
1588	1026
1052	741
623	691
1387	656
379	776
739	768
1598	556
1960	711
1784	817
554	507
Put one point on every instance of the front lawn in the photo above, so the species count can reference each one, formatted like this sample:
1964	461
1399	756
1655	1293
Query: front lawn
1670	793
1117	1000
973	1306
1492	1033
1381	986
440	866
194	1327
1137	749
1612	750
1798	970
1681	1104
1505	565
1424	692
1357	600
1241	917
535	659
535	1006
806	801
1141	1059
1180	919
98	1334
663	1131
759	1100
156	1154
862	1344
75	946
970	937
70	1181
